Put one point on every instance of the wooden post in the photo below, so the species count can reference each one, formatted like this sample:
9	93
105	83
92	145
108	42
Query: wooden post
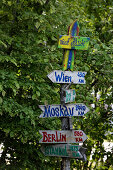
65	164
68	62
66	124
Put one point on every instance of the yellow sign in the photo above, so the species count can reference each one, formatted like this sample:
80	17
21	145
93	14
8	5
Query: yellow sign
68	42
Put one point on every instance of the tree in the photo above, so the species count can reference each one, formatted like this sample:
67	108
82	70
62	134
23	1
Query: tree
28	52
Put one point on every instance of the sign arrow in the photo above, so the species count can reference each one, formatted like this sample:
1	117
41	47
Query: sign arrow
70	42
62	150
64	136
75	77
78	109
82	151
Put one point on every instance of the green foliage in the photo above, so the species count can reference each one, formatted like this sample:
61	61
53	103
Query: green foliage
28	52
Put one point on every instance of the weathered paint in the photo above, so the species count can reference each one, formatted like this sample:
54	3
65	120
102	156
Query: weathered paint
69	110
70	42
62	150
68	61
64	136
75	77
69	95
69	55
73	29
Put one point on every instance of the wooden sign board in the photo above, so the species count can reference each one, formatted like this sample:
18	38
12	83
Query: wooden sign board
64	136
70	42
78	109
75	77
62	150
69	95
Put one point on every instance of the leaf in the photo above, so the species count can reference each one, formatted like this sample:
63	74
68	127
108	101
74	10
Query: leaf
2	43
1	87
77	61
86	68
38	93
21	116
37	25
1	100
34	96
11	134
3	93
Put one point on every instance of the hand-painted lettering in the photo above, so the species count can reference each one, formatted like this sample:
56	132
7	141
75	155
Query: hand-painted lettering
81	81
81	74
56	151
66	111
52	112
47	111
71	111
78	133
58	111
61	77
77	155
63	42
80	113
78	140
80	107
53	137
61	111
58	77
44	137
77	42
49	137
73	148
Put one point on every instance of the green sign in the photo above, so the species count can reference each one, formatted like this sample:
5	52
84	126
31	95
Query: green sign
62	150
70	95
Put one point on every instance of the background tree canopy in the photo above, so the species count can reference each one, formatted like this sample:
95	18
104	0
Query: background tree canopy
28	52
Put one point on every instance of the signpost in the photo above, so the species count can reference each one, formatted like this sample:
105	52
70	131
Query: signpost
63	150
63	136
68	64
69	95
69	110
59	76
61	139
70	42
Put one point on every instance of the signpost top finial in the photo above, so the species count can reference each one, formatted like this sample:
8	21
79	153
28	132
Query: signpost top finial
73	28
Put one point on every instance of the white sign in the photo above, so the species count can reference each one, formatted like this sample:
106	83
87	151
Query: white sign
75	77
78	109
63	136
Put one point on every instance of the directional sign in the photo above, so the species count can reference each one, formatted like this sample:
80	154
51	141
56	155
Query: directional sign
75	77
62	150
64	136
78	109
69	95
70	42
